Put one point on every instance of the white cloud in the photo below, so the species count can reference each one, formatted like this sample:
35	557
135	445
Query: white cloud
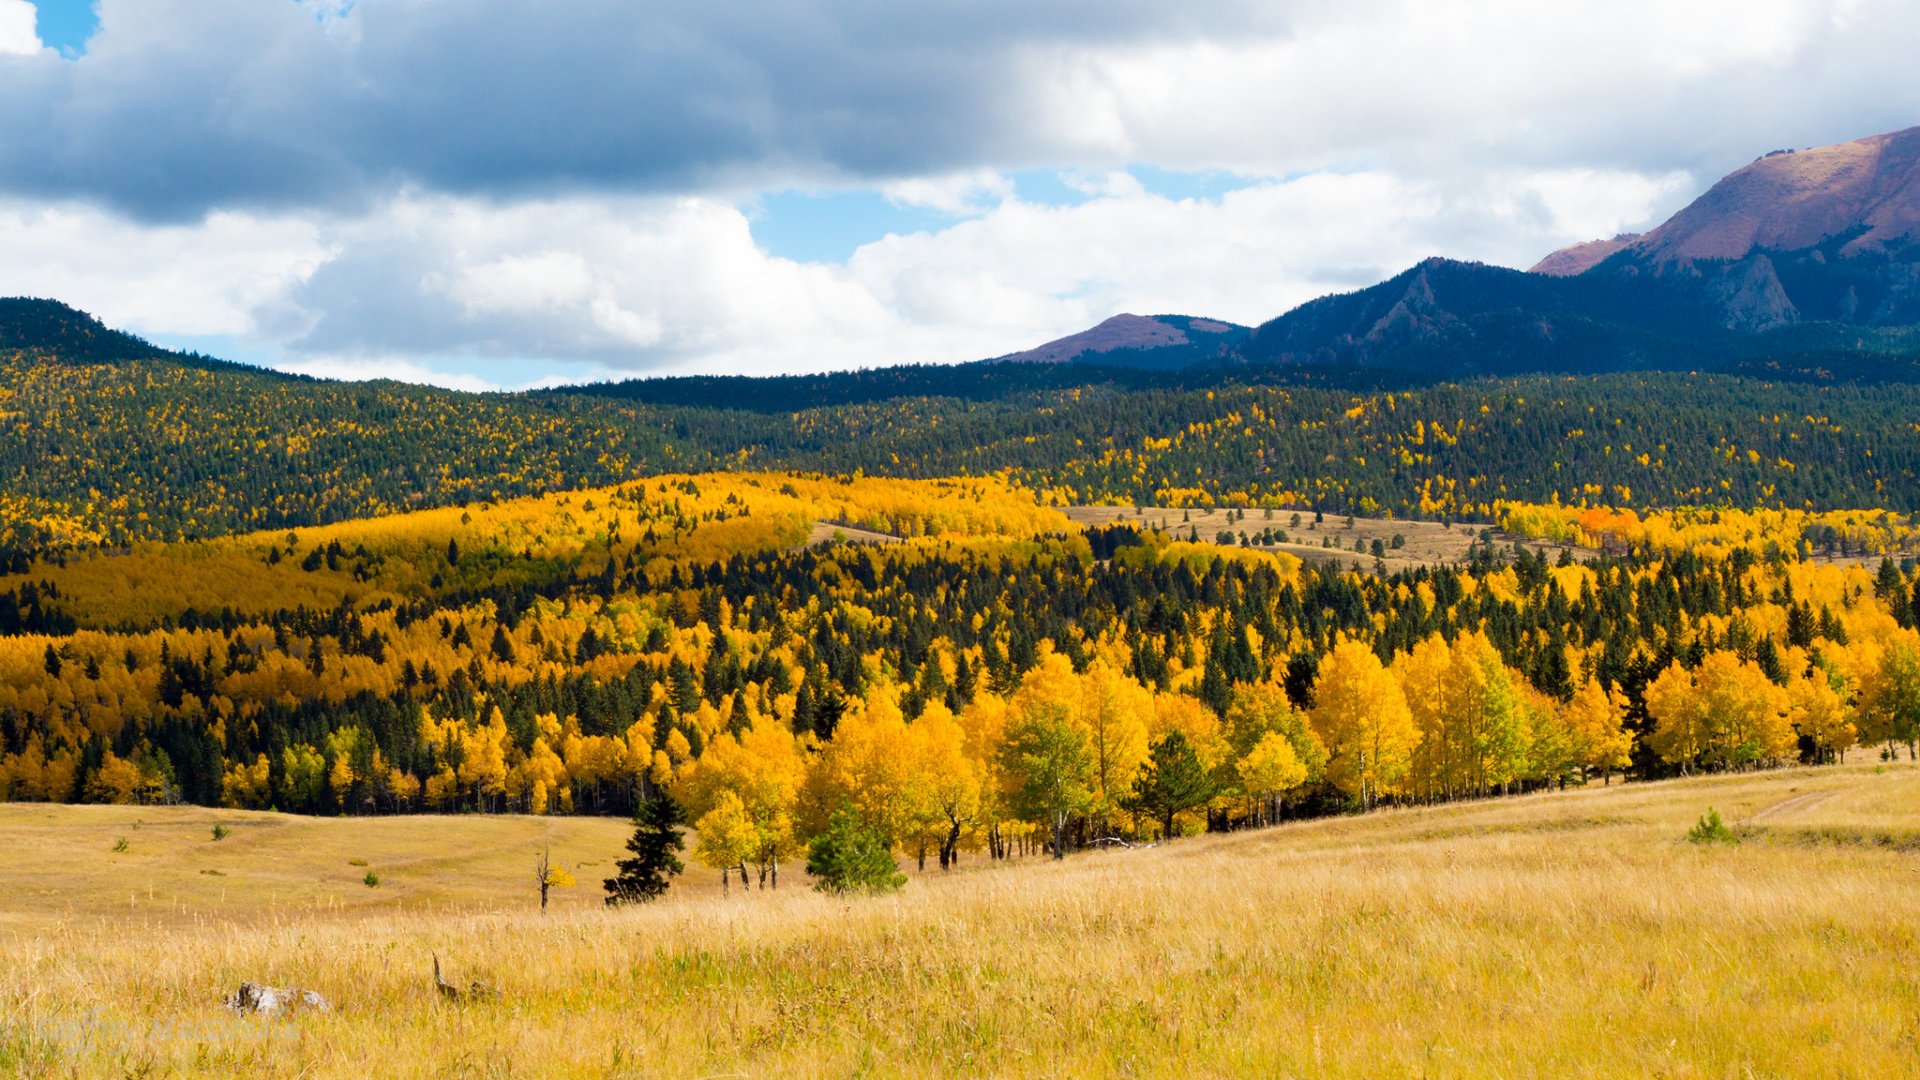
18	34
394	185
962	193
206	278
633	285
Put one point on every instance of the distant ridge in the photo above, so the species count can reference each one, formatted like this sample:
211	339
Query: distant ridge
1150	341
66	334
34	324
1802	264
1579	258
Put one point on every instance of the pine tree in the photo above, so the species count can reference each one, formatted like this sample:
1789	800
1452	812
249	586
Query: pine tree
655	844
1173	781
851	856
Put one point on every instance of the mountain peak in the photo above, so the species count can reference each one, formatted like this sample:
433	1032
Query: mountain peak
1865	192
1580	258
1793	199
1129	340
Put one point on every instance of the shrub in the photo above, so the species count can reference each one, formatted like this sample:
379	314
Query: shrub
370	880
1711	830
851	856
221	832
120	846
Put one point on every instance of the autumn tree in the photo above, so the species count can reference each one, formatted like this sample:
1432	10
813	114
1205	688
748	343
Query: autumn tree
1821	715
1595	721
1272	747
1049	769
547	877
1362	717
726	837
1723	714
1890	693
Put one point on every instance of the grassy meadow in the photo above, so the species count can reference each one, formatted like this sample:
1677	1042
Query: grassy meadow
1572	933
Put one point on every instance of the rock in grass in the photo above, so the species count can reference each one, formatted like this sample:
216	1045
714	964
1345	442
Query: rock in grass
275	1000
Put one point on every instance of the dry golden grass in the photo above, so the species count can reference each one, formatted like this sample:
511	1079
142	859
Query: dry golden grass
1566	934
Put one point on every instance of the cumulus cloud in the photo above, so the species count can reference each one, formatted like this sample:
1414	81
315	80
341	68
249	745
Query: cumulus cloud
209	277
652	284
181	106
369	186
18	32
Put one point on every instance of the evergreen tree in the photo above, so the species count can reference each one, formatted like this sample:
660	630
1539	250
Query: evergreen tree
655	844
851	856
1174	780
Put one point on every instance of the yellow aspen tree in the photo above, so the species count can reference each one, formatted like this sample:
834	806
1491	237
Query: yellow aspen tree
1426	680
1680	733
951	775
1596	726
1116	712
869	765
1361	715
1819	712
1267	772
726	838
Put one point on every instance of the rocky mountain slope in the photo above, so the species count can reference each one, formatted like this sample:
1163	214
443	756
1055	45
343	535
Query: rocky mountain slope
1157	341
1802	252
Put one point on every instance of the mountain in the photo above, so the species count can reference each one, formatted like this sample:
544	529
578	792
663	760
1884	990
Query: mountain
1457	319
1804	260
1864	194
1579	258
1825	235
1143	341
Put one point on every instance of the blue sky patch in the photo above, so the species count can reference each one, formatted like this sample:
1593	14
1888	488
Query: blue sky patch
65	25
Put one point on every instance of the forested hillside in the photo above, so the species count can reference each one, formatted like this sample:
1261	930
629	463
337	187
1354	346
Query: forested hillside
992	677
110	452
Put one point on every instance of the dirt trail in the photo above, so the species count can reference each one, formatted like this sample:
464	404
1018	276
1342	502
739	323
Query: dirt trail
1794	805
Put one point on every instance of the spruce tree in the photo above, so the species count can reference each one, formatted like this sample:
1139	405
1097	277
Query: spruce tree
1174	780
655	844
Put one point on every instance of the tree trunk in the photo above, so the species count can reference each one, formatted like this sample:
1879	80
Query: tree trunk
1060	836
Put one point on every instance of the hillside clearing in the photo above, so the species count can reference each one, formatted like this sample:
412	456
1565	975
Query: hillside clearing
1423	543
1570	933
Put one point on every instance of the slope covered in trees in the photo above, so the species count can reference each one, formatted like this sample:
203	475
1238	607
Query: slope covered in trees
995	679
110	453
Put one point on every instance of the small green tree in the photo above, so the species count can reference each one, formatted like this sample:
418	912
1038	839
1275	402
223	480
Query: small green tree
1711	830
851	856
1173	781
655	844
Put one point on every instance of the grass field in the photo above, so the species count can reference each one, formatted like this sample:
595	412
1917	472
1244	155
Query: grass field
1424	543
1566	934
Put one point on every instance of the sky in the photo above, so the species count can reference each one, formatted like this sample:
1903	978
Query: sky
508	193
